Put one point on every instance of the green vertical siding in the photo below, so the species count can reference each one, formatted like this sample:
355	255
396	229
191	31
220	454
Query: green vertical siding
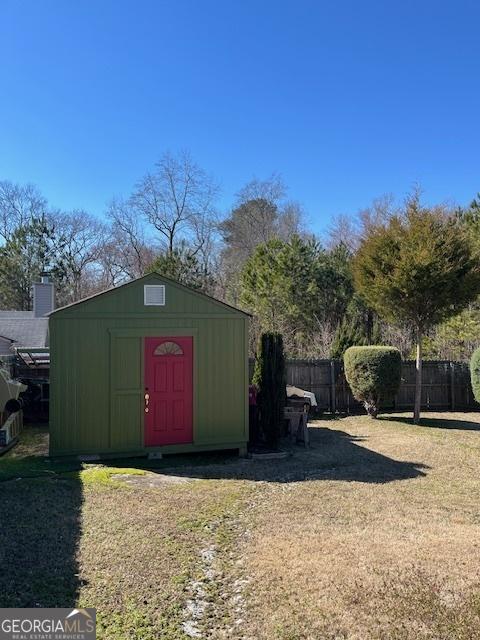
126	384
97	369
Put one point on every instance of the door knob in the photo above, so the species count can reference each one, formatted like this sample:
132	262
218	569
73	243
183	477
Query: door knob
147	398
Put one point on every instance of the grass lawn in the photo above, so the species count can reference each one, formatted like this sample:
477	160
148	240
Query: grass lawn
372	533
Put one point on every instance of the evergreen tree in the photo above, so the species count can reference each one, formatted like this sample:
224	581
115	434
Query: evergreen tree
293	286
269	378
31	249
183	266
358	327
419	268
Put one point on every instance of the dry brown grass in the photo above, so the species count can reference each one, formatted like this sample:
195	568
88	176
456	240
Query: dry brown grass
363	558
140	550
85	537
371	534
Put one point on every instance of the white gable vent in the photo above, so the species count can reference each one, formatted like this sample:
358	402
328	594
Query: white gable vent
154	294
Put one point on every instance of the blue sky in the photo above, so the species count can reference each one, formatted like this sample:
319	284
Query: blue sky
347	100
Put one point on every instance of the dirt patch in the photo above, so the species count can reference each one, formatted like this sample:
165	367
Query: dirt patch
152	479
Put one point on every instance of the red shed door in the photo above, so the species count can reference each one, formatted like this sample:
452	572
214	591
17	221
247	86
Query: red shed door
168	390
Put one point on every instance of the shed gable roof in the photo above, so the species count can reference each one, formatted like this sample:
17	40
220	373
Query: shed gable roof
128	298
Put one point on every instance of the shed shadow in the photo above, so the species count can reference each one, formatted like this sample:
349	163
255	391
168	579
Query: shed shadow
39	533
333	455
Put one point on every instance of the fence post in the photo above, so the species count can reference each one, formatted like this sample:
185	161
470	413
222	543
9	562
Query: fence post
452	386
333	400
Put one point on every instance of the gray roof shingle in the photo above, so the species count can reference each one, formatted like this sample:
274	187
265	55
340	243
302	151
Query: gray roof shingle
23	329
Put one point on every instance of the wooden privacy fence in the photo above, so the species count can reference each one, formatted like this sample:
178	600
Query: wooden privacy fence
446	385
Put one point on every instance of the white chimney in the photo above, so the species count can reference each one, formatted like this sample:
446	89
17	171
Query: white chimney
43	297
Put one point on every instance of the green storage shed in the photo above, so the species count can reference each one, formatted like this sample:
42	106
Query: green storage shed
150	366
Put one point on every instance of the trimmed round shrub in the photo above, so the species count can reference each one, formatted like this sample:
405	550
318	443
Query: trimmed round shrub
374	374
475	373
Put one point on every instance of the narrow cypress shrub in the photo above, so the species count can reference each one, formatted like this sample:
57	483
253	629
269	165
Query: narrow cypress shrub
269	377
475	373
374	375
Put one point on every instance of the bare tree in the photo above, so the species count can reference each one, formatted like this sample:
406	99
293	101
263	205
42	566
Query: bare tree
126	252
343	230
18	205
112	271
80	239
351	230
379	212
272	190
291	220
177	199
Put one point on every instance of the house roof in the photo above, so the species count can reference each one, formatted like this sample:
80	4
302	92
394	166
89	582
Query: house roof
24	330
145	277
16	314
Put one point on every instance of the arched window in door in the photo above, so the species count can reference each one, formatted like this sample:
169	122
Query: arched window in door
168	349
